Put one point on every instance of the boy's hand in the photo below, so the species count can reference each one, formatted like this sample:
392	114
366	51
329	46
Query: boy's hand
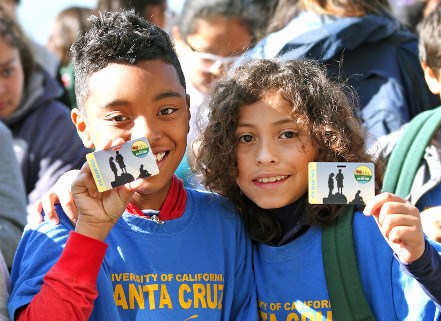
400	224
59	193
98	212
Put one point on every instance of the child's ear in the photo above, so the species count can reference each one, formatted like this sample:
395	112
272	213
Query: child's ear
79	120
431	79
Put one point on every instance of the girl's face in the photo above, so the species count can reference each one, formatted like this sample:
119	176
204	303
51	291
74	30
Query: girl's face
11	79
215	44
273	152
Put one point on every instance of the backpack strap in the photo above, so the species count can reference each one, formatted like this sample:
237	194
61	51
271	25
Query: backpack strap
406	156
341	271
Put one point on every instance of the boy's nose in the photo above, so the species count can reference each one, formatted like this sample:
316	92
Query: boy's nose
146	128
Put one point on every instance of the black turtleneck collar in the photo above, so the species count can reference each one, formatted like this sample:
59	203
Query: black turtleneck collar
292	220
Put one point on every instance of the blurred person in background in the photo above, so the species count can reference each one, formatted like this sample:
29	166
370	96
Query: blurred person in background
12	198
45	140
209	36
151	10
68	25
42	56
360	42
411	12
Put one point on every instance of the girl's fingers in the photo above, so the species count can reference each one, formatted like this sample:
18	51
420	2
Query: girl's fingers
390	208
374	206
36	213
47	201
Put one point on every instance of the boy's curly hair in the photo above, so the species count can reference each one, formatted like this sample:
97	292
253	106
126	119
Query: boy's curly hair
320	105
119	37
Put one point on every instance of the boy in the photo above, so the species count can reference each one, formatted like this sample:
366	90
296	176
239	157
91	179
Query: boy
129	83
424	187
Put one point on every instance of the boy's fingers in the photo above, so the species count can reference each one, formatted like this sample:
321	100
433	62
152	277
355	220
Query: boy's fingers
107	143
68	205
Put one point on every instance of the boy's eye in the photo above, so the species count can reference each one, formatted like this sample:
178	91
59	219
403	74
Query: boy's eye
289	134
246	139
166	111
119	118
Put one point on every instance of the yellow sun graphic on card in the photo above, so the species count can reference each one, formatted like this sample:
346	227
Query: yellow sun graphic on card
140	148
363	174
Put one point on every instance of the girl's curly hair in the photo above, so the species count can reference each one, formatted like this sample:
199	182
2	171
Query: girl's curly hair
320	105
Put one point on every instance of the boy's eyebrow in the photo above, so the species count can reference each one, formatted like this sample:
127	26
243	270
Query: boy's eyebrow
167	94
123	102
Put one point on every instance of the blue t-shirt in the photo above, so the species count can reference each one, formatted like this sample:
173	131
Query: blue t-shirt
291	282
197	266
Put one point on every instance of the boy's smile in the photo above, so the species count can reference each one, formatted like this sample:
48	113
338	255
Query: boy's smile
273	153
130	101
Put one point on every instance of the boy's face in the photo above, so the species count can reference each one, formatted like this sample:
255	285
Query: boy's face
131	101
273	153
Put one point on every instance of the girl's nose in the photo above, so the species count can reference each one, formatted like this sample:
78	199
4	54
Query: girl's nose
266	154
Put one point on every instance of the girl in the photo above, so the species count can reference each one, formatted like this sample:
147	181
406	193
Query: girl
68	25
45	140
266	123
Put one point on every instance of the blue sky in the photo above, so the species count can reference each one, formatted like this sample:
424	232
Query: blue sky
37	16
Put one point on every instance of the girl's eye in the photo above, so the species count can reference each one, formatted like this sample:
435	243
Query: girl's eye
246	139
289	134
166	111
7	72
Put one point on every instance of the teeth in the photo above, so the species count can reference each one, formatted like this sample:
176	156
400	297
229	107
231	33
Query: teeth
271	179
159	156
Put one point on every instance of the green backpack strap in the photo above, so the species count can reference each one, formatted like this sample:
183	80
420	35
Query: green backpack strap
409	151
341	271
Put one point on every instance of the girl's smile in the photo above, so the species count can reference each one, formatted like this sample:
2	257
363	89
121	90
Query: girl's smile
273	153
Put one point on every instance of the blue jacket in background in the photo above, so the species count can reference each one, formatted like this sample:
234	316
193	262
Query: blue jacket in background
46	142
372	53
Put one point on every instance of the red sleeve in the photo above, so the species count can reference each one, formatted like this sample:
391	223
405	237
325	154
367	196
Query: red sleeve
69	288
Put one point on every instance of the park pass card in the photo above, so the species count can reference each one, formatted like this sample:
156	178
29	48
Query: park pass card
122	164
341	183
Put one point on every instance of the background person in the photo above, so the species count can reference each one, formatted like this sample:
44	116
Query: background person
45	140
362	43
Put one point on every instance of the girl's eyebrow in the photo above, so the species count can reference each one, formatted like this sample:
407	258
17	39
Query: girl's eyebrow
277	123
6	63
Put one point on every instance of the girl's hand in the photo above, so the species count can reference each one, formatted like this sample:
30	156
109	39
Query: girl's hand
58	194
99	211
61	194
400	223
